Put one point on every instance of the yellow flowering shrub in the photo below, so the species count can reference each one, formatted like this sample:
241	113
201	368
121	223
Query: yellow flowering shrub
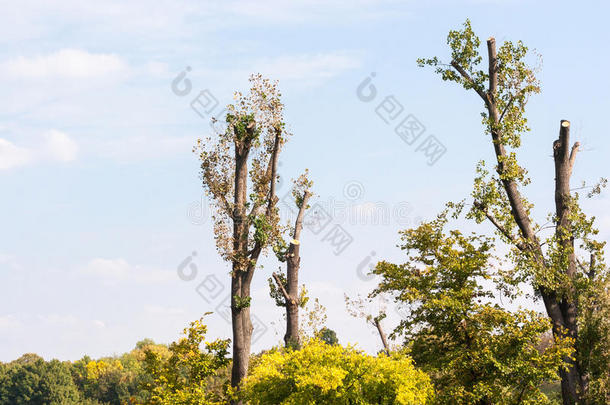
331	374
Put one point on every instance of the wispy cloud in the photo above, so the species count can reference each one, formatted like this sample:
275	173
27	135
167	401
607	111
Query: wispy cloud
142	147
69	321
309	68
65	64
56	146
60	147
119	270
170	18
12	156
159	310
9	322
300	11
300	69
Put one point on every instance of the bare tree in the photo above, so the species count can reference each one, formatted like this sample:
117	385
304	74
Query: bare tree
239	172
357	308
288	286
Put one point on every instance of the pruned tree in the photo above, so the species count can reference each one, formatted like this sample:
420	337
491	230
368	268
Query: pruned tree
356	307
550	262
285	291
239	172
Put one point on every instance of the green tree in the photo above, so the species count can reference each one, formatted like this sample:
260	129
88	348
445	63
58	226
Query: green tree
594	342
475	351
107	380
117	380
563	264
331	374
328	336
182	377
32	381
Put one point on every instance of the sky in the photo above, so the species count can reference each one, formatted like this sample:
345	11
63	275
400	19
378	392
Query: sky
106	233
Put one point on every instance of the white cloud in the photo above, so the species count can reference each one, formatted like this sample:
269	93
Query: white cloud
309	68
9	322
158	310
30	19
300	11
108	268
57	146
65	63
138	147
12	156
4	258
68	320
304	69
8	262
99	324
58	319
157	69
119	270
60	147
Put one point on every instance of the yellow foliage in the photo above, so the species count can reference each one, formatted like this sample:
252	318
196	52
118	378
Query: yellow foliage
332	374
96	369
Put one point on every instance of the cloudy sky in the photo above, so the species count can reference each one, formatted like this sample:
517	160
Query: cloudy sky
102	206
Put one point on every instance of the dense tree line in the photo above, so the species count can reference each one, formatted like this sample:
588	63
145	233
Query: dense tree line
111	380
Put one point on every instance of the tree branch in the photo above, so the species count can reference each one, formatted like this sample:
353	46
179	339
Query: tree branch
573	153
499	226
298	225
467	77
382	335
273	161
281	287
582	266
272	199
225	204
510	102
591	273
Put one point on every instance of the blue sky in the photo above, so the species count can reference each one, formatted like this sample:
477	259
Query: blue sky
101	200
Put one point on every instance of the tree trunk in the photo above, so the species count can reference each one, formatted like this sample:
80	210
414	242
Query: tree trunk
291	290
382	335
240	316
572	383
291	338
242	333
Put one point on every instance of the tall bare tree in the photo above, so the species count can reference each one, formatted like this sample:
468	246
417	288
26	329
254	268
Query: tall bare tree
287	291
549	262
239	172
